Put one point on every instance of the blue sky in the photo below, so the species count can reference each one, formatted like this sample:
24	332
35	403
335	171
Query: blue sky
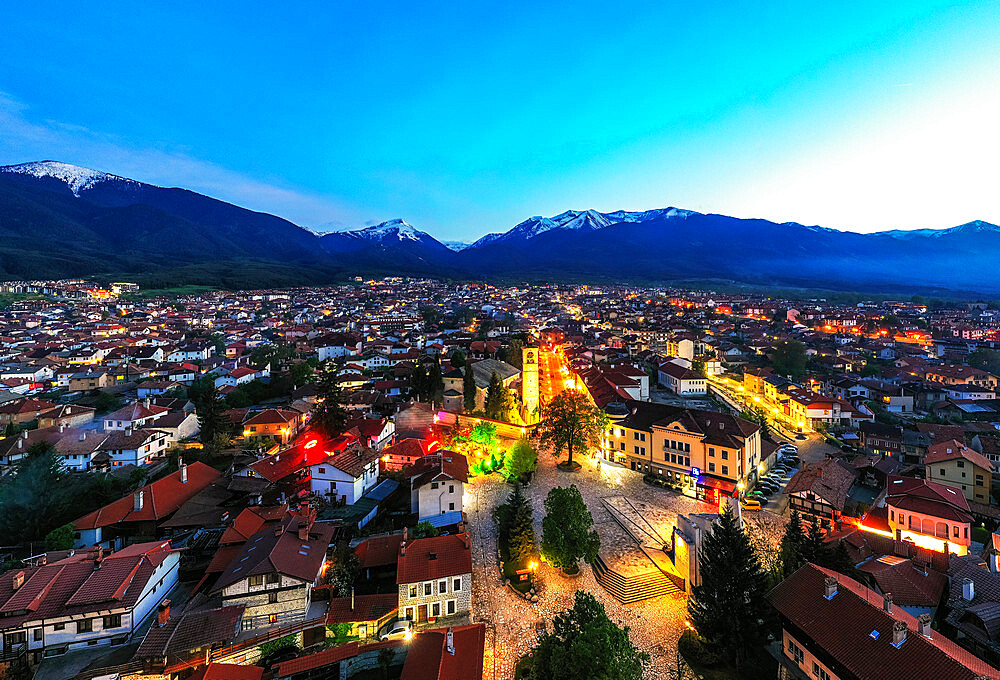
469	118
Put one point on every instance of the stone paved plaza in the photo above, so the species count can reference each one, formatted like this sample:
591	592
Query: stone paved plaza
655	625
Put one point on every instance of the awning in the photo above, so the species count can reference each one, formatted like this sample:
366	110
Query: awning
723	485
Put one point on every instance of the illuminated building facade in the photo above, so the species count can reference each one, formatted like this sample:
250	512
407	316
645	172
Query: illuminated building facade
529	379
931	515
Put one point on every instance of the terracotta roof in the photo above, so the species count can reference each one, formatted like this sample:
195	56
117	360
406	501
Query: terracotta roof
853	628
273	416
228	671
826	479
365	607
75	584
426	559
379	551
910	587
279	549
441	465
328	657
953	450
191	630
353	460
429	658
931	498
249	522
411	447
22	406
135	411
160	499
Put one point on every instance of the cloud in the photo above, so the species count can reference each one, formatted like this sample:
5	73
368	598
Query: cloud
23	139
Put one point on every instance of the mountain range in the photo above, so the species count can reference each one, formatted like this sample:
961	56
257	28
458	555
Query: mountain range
59	220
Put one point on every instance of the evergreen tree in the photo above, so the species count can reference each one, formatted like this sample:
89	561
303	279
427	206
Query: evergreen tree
813	549
435	382
791	545
457	359
496	398
420	382
521	538
329	415
729	607
469	389
214	428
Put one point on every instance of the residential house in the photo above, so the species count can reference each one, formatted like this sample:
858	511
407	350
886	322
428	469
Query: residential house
681	380
136	415
434	578
279	424
345	475
929	514
954	464
437	486
820	490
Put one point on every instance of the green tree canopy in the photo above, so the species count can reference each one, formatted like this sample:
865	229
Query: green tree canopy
791	545
520	459
329	415
572	423
469	389
568	530
586	645
498	402
985	359
457	359
789	358
729	608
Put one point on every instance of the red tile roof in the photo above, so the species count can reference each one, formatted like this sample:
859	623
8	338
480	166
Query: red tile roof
249	522
441	465
160	499
365	607
228	671
379	551
426	559
328	657
953	450
930	498
843	626
429	658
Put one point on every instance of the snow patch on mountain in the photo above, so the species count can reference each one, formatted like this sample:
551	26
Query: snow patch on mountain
397	228
76	178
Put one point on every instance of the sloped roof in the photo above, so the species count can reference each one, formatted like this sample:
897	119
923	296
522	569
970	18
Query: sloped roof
426	559
429	658
440	465
160	499
826	479
843	627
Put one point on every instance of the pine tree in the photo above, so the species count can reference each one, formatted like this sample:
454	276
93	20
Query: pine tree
729	607
469	389
813	549
791	545
495	398
435	383
214	429
329	415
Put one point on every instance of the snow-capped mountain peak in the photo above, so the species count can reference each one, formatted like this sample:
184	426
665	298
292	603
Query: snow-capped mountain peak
397	227
76	178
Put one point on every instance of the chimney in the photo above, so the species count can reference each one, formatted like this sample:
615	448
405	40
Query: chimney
83	435
887	603
829	587
924	625
352	598
98	558
20	443
18	579
163	613
128	431
451	641
61	427
968	590
137	500
184	471
304	531
898	633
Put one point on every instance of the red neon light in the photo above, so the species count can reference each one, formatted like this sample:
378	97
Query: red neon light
311	443
432	444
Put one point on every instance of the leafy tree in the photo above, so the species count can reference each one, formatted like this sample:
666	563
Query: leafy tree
469	389
10	430
513	354
789	358
586	645
346	569
425	530
302	374
105	402
329	415
698	366
60	538
520	459
568	530
38	495
791	545
756	414
985	359
729	607
571	422
435	382
458	358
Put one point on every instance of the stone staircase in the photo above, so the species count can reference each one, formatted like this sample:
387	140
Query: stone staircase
626	589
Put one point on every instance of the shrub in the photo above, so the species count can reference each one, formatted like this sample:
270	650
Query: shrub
696	651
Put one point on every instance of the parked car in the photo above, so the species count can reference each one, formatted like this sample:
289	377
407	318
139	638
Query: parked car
400	629
750	504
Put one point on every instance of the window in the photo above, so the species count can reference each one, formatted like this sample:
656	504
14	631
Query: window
725	469
256	581
725	454
456	585
434	485
436	609
451	488
955	531
409	614
451	506
322	470
451	607
413	591
58	626
711	451
795	652
711	467
274	577
961	463
272	618
623	446
428	588
112	621
942	472
38	634
442	586
272	598
85	626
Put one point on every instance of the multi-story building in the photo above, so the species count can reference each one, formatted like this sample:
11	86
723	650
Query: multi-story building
708	453
834	628
954	464
86	599
273	574
434	576
437	484
928	514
